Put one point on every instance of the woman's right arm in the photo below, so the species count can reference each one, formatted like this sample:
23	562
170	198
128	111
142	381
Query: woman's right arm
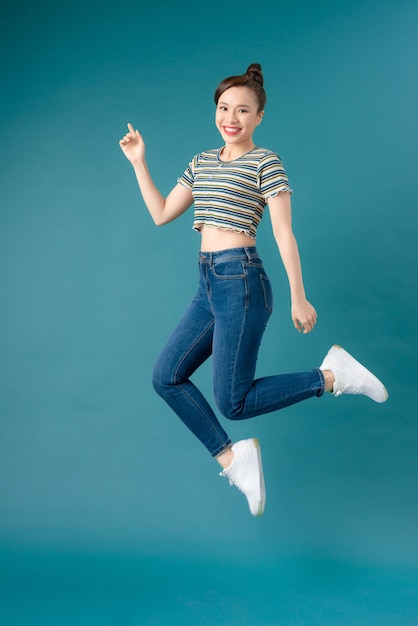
162	210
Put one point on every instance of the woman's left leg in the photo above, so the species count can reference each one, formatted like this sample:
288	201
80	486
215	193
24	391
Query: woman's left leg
242	304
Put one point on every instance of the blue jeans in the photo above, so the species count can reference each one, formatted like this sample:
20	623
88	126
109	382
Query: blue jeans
226	319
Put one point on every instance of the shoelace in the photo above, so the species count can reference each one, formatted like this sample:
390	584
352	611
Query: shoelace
232	482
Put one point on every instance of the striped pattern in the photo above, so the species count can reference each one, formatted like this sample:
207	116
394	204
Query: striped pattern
232	195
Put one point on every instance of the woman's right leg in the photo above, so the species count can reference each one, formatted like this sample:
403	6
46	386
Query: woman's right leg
188	347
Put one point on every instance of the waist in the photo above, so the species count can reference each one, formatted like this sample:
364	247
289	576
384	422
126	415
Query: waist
214	239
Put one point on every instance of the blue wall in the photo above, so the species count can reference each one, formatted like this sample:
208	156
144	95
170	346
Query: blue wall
91	460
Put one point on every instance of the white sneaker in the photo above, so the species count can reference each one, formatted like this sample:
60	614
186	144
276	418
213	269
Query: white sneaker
351	376
246	473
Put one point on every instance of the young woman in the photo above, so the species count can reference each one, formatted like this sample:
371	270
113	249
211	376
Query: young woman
226	319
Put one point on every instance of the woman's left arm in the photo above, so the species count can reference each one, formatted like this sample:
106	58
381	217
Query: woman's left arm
303	313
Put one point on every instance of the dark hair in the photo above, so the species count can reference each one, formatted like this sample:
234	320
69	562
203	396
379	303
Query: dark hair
253	79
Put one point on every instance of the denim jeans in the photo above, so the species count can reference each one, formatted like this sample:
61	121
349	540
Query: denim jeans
226	319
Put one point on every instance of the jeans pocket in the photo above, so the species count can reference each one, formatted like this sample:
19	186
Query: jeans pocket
228	270
268	292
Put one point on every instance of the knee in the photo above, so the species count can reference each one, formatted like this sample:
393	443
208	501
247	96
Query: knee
227	407
160	379
165	378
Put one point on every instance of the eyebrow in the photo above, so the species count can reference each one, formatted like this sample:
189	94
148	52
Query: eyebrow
238	105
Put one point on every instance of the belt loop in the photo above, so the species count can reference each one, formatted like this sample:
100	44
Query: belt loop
247	252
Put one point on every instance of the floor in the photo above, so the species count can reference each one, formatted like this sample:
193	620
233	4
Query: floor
58	589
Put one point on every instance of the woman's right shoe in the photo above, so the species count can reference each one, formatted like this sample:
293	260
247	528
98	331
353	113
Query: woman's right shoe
246	473
351	376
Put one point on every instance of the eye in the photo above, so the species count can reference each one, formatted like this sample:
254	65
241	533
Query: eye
243	110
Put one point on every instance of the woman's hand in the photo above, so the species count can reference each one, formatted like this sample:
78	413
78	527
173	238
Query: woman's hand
304	316
133	146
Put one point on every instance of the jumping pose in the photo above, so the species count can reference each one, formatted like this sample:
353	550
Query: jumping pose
230	188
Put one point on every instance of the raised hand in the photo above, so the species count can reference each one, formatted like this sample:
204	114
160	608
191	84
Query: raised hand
133	146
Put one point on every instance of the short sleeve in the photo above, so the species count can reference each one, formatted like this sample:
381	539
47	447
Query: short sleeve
272	176
187	178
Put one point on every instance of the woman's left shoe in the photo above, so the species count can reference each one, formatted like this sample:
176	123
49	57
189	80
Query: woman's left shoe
246	473
352	377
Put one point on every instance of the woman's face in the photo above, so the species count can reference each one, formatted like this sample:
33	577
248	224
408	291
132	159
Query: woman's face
237	117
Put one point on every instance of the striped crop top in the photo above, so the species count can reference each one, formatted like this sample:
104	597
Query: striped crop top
232	194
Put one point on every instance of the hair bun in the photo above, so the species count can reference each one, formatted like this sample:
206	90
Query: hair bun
253	79
254	72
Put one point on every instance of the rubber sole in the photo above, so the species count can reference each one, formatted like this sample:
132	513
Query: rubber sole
262	503
346	357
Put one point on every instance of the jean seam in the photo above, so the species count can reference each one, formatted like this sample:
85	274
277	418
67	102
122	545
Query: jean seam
264	279
180	386
233	379
202	334
202	412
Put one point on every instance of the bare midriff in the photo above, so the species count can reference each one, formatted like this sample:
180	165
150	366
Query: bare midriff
215	239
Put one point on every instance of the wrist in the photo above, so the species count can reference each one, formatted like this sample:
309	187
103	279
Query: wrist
298	296
139	166
138	162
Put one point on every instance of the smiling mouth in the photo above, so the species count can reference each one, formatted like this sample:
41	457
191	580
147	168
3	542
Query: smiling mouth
231	130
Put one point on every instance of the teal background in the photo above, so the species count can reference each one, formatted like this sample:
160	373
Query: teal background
110	511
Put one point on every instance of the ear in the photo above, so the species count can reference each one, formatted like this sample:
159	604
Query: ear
260	117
